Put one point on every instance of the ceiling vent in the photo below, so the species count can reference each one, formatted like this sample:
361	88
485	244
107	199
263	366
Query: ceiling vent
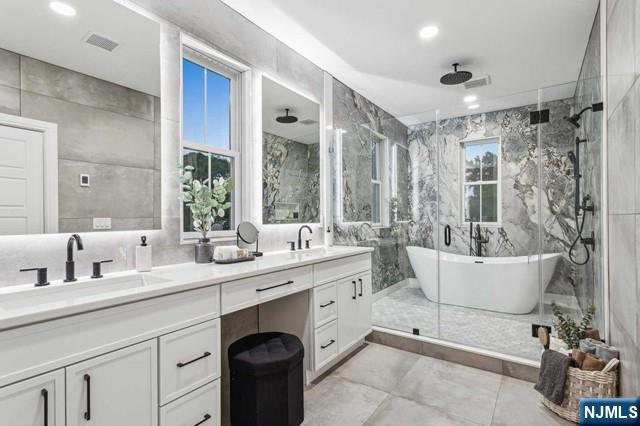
101	42
478	82
308	122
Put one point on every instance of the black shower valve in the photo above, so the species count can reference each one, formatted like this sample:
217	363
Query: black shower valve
590	241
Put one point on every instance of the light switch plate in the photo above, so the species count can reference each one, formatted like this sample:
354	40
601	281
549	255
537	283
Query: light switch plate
101	223
85	180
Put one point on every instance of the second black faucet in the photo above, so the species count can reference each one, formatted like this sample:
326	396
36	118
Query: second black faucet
70	266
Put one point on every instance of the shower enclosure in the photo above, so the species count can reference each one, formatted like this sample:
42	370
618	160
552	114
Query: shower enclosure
472	213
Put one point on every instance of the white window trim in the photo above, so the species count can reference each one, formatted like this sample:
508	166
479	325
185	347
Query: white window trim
463	184
238	73
394	177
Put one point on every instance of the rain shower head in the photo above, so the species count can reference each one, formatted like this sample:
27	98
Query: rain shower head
287	119
456	77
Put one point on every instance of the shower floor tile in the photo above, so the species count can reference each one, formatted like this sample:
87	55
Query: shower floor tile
408	308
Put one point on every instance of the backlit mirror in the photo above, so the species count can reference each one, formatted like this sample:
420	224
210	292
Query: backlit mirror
79	118
290	156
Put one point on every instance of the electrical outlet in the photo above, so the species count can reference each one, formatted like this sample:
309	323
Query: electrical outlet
535	327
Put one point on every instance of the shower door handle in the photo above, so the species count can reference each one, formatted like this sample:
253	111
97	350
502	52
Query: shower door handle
447	235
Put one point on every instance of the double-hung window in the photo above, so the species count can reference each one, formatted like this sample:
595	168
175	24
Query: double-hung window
481	200
376	181
210	132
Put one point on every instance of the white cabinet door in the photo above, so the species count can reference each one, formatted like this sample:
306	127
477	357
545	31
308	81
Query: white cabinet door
35	402
365	298
119	388
348	316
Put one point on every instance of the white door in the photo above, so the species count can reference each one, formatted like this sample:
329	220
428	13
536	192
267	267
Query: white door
365	298
21	181
119	388
348	323
34	402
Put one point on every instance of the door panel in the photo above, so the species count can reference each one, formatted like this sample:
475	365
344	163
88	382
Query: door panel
30	402
347	312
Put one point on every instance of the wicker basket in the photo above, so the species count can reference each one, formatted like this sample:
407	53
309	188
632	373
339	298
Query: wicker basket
583	384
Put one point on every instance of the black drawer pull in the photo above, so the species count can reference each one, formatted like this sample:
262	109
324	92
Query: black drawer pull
45	396
204	355
274	286
206	417
328	304
360	294
355	290
328	344
87	414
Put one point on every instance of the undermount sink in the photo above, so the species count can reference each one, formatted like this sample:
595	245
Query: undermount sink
61	294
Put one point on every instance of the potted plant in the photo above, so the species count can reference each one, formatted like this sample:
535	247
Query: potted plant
568	329
206	203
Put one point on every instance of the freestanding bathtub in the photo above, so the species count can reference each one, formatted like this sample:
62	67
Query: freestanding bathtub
501	284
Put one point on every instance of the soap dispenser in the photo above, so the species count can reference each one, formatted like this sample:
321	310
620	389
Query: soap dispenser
143	256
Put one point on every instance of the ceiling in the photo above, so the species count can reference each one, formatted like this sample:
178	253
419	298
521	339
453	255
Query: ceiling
31	28
373	46
275	98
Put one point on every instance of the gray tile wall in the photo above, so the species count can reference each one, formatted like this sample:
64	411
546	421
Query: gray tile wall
623	91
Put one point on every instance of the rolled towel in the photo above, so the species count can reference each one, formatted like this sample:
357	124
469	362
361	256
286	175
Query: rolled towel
607	353
578	356
552	376
592	333
589	345
592	363
225	252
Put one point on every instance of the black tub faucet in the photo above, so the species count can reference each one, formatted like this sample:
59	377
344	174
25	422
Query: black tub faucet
70	265
300	236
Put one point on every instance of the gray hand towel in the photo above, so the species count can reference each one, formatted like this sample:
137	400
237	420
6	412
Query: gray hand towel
553	373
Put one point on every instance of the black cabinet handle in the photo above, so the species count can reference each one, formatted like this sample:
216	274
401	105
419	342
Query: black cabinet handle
328	304
204	355
360	294
274	286
45	396
328	344
355	291
206	417
87	414
447	235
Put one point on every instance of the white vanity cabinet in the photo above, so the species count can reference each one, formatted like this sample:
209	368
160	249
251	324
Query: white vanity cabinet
119	388
34	402
354	309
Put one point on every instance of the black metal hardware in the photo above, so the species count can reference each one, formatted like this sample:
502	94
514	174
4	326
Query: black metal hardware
300	235
598	106
355	291
416	331
328	304
96	268
206	417
45	396
274	286
183	364
328	344
87	414
306	245
447	235
293	245
590	241
360	280
42	276
328	230
538	117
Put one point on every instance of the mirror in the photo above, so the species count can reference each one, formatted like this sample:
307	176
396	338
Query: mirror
79	118
290	156
248	233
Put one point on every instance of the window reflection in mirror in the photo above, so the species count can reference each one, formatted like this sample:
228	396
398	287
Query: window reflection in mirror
290	156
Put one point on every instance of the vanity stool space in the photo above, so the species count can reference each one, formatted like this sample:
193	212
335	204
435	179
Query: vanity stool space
144	349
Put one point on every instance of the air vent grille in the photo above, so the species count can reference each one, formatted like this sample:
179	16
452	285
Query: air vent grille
101	42
308	122
478	82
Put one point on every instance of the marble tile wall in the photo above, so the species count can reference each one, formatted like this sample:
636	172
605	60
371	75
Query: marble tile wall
105	130
290	175
623	152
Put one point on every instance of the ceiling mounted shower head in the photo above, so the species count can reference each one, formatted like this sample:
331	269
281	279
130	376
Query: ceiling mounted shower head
456	77
287	119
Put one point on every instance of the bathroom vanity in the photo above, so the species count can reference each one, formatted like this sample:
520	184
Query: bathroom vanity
145	348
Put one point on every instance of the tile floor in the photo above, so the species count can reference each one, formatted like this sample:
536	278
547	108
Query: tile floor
386	386
408	308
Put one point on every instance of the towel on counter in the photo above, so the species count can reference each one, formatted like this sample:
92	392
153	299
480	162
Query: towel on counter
553	373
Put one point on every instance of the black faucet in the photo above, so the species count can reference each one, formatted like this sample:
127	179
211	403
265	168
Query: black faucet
300	236
475	234
70	265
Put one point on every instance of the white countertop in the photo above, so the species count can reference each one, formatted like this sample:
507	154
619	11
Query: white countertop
27	304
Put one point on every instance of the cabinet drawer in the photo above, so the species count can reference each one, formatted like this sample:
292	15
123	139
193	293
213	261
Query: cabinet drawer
202	405
325	304
326	344
340	268
247	292
189	358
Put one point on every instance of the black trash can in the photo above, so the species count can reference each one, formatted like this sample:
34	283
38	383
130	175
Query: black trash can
267	382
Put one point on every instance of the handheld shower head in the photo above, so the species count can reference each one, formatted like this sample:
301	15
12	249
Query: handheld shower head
572	158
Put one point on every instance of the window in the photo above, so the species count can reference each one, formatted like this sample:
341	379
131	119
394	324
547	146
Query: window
400	164
376	182
210	132
481	181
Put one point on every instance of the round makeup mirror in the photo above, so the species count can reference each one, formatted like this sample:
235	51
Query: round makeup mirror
248	233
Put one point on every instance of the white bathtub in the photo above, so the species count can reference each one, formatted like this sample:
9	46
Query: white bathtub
501	284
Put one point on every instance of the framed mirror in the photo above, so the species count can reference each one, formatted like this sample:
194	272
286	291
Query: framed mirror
79	118
290	156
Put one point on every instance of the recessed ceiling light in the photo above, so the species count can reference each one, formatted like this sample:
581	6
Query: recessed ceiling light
470	98
474	106
62	8
429	32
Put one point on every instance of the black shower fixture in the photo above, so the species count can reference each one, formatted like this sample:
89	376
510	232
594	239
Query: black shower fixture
287	119
456	77
575	118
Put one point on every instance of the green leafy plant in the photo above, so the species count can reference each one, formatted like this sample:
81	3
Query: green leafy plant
206	202
568	329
